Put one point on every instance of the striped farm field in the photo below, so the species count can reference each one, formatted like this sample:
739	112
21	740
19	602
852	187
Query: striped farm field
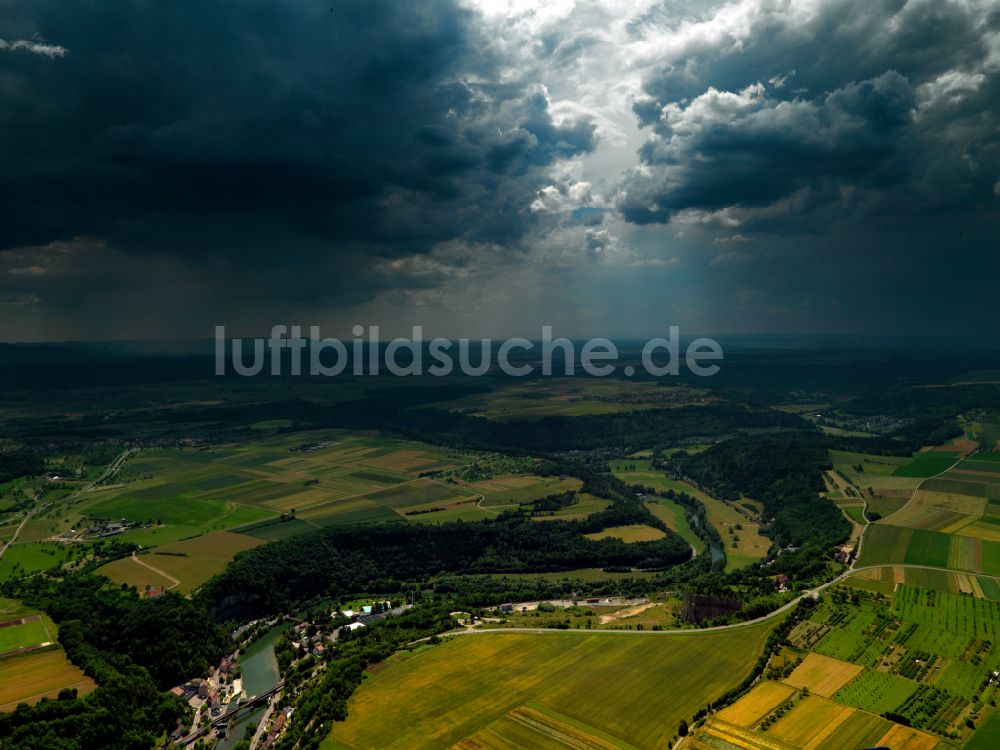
885	544
626	689
810	722
40	674
928	548
758	703
905	738
823	675
895	544
963	553
959	484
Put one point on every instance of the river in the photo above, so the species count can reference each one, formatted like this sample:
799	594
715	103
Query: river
260	673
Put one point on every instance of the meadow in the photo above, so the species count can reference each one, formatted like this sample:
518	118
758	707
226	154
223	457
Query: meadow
631	533
571	397
927	463
750	545
626	690
673	516
182	566
23	558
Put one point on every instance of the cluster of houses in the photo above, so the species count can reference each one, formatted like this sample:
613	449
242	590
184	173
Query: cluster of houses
101	528
211	694
276	725
844	553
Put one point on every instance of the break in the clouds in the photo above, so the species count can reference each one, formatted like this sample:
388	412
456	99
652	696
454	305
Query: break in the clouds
483	167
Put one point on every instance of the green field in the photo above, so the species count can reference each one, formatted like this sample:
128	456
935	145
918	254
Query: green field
987	736
632	689
928	653
673	516
927	464
31	633
846	461
856	512
30	557
876	692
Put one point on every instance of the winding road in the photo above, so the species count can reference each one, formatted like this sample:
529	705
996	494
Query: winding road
112	469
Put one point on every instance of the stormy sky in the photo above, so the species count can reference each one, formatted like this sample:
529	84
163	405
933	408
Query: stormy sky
485	168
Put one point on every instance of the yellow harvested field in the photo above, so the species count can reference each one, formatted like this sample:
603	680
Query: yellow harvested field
756	704
925	501
629	689
823	675
981	530
733	736
633	533
810	722
907	738
42	674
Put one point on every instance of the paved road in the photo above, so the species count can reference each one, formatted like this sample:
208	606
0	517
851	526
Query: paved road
715	628
110	471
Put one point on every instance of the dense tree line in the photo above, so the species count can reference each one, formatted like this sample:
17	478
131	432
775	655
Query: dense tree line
923	402
20	463
784	472
380	557
133	649
173	638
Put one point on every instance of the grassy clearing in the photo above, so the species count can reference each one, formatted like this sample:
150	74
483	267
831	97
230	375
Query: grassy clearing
631	533
673	516
987	737
460	688
856	513
30	677
23	558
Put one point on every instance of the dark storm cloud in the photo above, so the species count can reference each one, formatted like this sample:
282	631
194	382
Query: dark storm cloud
782	116
268	133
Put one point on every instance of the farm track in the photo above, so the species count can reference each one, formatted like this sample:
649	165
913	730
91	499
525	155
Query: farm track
158	572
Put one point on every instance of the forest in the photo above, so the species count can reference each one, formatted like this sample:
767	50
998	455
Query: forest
134	649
